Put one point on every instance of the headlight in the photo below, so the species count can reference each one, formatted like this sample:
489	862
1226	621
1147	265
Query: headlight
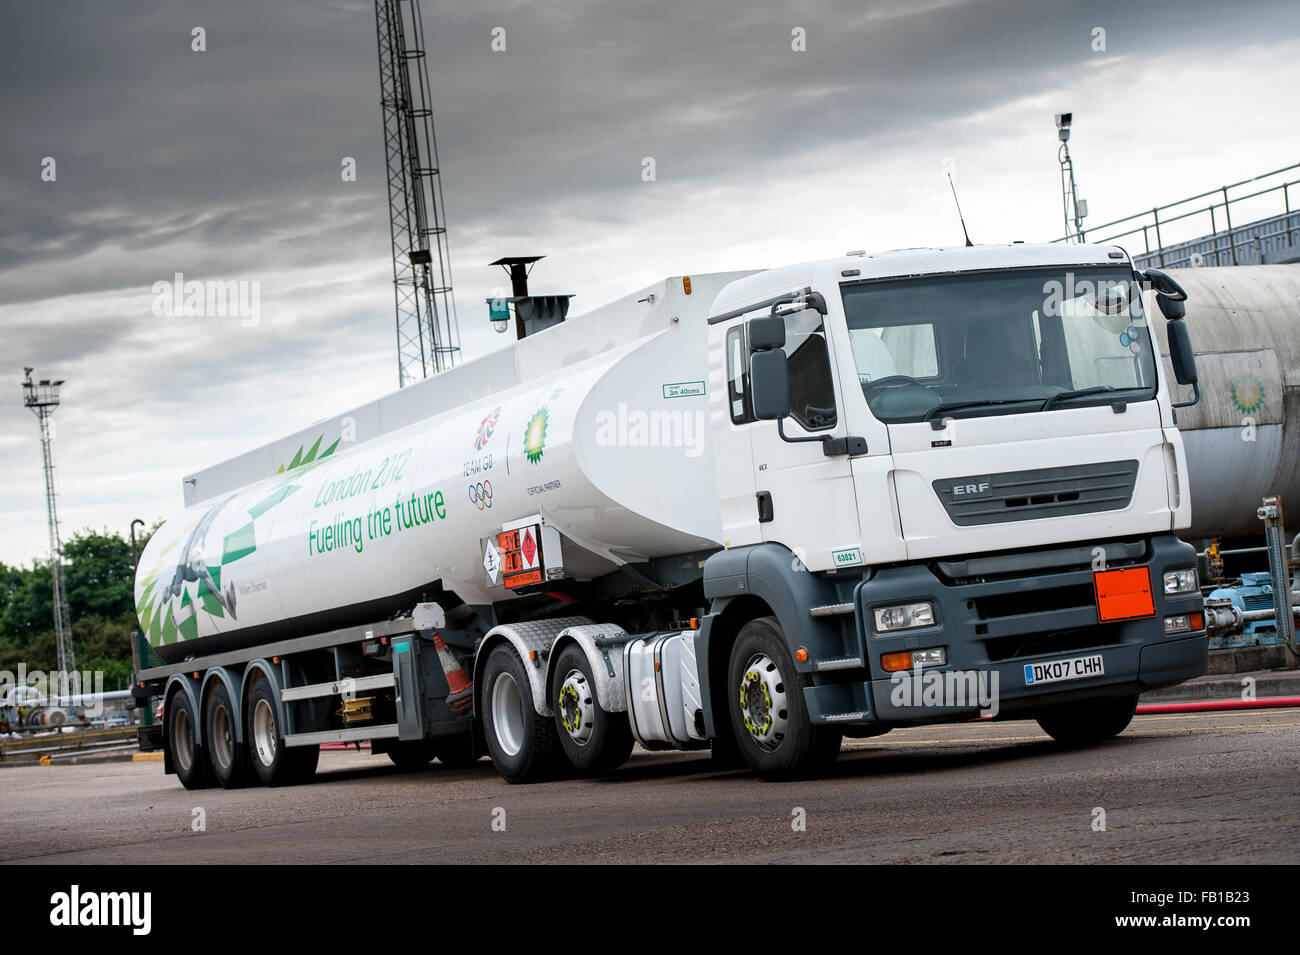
904	617
1181	581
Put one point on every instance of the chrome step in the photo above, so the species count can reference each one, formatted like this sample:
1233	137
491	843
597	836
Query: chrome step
831	610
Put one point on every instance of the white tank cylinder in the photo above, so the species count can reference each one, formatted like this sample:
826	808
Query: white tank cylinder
605	451
1243	438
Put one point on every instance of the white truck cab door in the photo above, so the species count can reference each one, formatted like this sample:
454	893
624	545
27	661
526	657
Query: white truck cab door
806	498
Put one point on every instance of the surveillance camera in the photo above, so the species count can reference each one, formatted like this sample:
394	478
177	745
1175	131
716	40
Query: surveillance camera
1063	120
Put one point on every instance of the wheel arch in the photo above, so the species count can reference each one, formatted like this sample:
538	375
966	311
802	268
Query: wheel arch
233	685
188	686
745	583
263	669
607	671
536	636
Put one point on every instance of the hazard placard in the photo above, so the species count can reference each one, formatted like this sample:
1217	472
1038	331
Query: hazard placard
491	561
1123	594
521	556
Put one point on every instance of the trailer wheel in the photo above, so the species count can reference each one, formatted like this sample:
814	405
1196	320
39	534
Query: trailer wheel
769	718
274	763
227	758
187	759
592	739
520	740
1088	721
456	751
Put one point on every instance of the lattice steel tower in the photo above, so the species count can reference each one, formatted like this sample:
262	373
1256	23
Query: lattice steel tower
43	397
428	335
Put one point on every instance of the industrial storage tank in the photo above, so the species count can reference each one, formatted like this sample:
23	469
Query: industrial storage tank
1243	438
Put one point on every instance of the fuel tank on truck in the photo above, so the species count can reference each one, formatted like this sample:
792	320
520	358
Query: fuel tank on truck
1243	438
599	427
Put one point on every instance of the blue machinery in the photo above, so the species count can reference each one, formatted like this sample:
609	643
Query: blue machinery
1246	614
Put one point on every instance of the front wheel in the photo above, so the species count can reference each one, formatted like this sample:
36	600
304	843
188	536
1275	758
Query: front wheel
594	740
1089	721
769	718
520	740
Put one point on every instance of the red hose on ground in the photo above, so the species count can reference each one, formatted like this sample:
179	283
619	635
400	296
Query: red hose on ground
1212	706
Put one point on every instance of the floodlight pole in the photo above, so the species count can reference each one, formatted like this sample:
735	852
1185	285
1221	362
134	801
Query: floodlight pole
42	397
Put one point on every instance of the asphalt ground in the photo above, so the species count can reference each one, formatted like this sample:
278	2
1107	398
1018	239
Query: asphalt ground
1182	788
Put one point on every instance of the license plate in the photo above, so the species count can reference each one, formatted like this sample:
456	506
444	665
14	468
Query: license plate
1058	671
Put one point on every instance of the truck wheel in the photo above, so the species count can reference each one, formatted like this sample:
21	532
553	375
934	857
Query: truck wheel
456	751
768	715
592	739
187	759
227	758
274	763
1088	721
520	740
411	754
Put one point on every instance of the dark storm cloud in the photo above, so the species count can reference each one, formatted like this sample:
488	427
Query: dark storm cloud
236	151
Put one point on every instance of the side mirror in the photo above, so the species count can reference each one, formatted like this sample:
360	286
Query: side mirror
1173	309
1183	358
765	333
769	383
1165	285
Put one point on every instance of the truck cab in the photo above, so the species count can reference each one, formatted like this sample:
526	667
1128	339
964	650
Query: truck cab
955	478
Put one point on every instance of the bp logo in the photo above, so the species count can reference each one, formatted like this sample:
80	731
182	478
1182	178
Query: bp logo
1248	394
535	436
485	429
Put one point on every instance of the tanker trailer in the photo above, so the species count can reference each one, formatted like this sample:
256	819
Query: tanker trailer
753	511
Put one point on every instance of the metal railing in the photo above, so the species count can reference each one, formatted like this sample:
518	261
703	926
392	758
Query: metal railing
1219	209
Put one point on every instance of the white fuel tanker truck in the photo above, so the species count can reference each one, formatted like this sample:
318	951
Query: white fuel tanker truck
754	511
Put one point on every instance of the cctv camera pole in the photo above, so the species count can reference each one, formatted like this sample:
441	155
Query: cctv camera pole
1070	201
42	397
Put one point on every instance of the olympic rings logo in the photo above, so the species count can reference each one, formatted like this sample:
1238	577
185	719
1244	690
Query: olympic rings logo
480	495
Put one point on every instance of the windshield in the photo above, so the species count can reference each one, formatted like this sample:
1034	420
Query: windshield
999	342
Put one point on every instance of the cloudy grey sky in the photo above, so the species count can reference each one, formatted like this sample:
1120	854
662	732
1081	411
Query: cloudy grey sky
225	164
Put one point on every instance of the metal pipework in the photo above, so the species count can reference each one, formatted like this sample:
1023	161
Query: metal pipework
1270	512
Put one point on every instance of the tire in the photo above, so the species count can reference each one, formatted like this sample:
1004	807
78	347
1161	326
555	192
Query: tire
593	740
186	756
272	762
227	758
409	755
521	742
456	751
769	718
1088	721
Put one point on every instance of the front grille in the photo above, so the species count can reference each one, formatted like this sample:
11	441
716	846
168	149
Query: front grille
1044	600
1058	641
1030	495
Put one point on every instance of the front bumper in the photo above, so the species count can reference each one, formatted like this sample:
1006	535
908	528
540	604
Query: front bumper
993	626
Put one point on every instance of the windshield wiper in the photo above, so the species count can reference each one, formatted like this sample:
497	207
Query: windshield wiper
973	404
1077	393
